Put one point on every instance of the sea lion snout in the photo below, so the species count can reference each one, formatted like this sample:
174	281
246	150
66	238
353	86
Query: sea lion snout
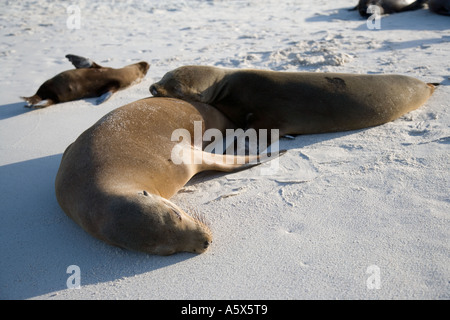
153	90
158	90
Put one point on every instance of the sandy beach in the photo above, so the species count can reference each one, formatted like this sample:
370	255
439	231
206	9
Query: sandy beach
362	214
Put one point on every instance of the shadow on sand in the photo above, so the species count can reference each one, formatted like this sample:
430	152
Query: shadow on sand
39	241
12	109
422	19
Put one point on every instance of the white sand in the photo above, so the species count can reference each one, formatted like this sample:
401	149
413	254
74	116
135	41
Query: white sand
338	204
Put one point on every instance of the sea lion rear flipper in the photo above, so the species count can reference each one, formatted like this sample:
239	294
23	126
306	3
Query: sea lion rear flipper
36	102
32	100
81	62
41	104
231	163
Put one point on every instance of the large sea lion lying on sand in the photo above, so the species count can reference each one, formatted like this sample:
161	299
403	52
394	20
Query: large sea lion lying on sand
440	6
116	178
296	102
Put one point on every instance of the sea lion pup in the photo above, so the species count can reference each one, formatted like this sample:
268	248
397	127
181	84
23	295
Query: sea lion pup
115	179
88	80
440	6
388	6
296	102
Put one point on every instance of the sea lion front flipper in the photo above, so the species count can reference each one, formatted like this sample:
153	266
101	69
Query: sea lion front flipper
107	93
81	62
104	97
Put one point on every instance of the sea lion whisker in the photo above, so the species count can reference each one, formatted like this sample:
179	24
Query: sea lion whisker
199	218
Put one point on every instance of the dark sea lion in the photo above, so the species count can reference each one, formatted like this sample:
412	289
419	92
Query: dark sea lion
389	6
116	178
439	6
88	80
296	102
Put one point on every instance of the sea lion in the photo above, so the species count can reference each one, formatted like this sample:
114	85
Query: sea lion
296	102
88	80
115	179
440	6
388	6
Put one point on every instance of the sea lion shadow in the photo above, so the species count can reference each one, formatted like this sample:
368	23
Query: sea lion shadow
422	43
422	19
330	15
39	242
12	109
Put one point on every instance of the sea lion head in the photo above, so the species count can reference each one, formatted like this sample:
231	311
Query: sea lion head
191	232
192	83
135	72
147	222
143	66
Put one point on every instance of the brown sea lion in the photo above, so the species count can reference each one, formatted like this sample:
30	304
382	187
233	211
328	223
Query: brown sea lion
388	6
115	179
296	102
88	80
439	6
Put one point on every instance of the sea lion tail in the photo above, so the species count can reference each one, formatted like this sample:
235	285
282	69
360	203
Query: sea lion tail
433	86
